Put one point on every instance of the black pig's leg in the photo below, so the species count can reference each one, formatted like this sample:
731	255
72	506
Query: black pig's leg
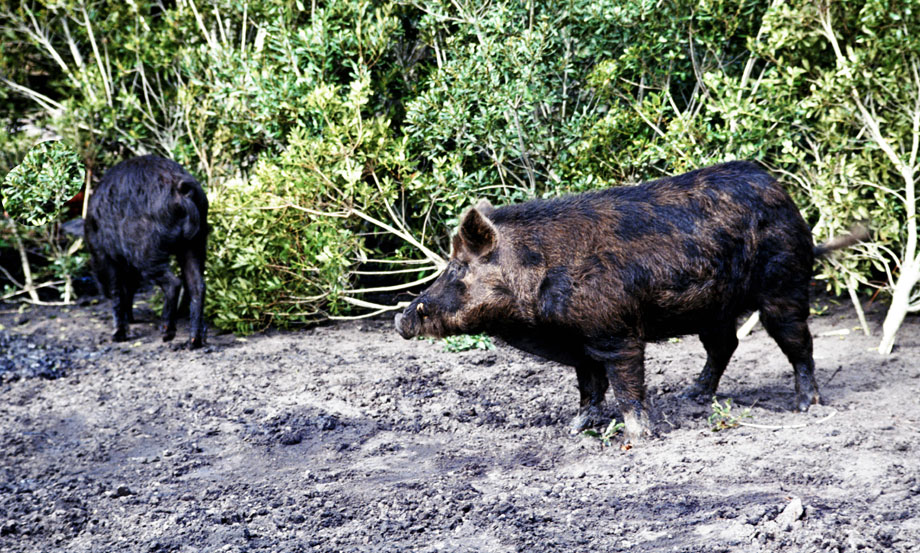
131	285
720	343
170	284
193	275
786	322
592	385
624	360
123	297
113	287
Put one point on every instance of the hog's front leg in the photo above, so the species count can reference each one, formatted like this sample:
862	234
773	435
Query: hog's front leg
592	385
624	360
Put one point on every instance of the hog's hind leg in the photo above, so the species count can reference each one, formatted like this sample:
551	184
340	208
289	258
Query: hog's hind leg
720	342
786	321
193	277
131	285
171	285
123	297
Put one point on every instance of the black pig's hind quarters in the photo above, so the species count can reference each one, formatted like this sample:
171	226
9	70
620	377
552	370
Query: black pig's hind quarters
146	211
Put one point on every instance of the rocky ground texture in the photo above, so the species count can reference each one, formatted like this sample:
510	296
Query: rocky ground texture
346	438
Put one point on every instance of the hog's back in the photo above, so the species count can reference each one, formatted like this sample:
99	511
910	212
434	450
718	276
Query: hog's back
136	218
662	258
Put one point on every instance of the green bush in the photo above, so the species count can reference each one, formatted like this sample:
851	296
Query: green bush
34	194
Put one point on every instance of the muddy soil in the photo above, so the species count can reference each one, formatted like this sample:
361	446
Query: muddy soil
346	438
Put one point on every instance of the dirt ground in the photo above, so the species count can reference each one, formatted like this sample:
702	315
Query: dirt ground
346	438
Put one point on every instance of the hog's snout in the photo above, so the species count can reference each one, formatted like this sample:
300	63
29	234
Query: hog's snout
403	325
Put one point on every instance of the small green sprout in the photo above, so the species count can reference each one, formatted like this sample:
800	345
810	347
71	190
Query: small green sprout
722	417
818	309
606	437
464	342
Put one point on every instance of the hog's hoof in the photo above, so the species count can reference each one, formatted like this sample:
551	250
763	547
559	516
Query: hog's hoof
586	418
195	343
803	402
121	335
697	392
168	333
637	427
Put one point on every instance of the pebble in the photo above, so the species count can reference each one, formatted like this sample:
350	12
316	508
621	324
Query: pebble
793	512
8	528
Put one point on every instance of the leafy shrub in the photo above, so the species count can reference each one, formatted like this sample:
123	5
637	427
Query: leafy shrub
35	191
341	140
291	241
34	195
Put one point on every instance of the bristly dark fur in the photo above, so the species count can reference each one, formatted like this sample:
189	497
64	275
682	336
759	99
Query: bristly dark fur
145	211
610	270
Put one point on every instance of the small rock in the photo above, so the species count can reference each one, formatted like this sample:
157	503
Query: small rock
8	528
122	491
769	528
855	541
793	512
327	422
290	436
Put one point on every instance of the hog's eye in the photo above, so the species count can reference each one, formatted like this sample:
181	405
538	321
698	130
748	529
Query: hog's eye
456	270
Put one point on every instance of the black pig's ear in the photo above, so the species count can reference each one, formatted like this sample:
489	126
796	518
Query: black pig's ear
477	233
186	187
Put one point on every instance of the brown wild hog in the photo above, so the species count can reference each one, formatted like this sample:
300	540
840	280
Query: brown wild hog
587	280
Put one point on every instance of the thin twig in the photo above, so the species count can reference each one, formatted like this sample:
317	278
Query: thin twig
102	72
379	308
41	99
785	426
748	325
26	268
36	301
851	288
395	287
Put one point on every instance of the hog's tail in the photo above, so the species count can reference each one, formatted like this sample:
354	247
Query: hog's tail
858	233
192	221
188	200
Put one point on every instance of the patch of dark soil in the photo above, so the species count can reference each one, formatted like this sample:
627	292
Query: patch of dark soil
346	438
22	358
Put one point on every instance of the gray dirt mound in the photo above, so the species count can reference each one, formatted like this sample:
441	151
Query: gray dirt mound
292	426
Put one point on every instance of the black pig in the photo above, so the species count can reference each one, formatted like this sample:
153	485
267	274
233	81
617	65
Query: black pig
587	280
146	211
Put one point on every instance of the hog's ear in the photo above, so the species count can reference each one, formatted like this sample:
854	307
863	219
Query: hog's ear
484	207
477	233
